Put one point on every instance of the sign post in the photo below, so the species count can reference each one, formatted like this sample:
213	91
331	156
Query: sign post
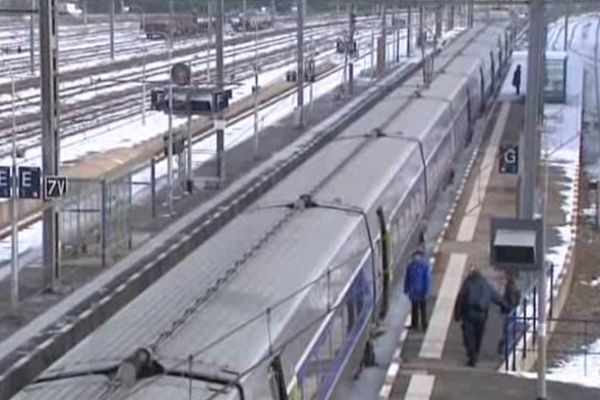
26	183
55	186
29	182
509	160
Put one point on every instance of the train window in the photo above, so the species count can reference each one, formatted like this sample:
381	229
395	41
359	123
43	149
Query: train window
277	379
351	312
338	333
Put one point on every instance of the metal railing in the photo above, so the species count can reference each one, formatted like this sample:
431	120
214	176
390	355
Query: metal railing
570	338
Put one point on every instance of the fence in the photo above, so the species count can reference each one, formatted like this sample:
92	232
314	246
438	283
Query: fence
571	337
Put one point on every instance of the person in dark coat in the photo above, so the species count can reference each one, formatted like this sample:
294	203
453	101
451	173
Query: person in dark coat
516	81
416	287
471	308
512	298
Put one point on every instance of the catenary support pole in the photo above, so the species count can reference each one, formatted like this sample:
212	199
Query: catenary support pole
532	106
408	31
170	179
32	39
220	120
531	154
256	94
50	134
566	35
189	183
470	14
438	19
143	99
384	38
209	39
112	29
300	61
14	216
421	28
351	33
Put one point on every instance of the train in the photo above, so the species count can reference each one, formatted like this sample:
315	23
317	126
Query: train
158	26
253	21
282	303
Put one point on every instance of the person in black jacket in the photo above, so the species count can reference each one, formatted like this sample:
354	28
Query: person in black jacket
512	298
471	308
516	81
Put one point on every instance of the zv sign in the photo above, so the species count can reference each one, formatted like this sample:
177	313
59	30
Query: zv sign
55	186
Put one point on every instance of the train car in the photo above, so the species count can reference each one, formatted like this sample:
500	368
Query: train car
254	20
281	303
70	9
340	47
156	26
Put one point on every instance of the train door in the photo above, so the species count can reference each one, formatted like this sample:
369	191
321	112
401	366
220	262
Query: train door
492	71
386	265
482	89
277	379
469	118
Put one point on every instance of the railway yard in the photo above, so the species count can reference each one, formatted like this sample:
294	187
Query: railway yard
255	247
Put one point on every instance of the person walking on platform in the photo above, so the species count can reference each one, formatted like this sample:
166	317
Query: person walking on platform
516	81
416	287
471	308
512	298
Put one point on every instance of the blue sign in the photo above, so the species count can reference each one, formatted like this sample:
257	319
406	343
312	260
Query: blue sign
30	182
5	182
509	159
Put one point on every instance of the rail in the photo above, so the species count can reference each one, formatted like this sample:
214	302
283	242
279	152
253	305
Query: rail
573	339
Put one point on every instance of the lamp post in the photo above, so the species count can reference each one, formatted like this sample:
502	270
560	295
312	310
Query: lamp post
112	29
256	89
14	211
145	51
170	131
14	214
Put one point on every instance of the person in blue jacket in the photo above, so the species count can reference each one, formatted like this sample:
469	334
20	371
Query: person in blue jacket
416	286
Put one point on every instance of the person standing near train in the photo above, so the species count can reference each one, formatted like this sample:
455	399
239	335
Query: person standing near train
416	286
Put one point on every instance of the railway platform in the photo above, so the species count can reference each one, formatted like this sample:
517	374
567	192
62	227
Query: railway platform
432	364
41	333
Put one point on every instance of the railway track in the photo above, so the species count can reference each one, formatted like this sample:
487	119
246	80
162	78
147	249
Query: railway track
117	105
182	47
198	136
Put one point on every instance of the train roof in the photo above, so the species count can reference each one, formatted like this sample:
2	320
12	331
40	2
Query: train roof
259	261
100	387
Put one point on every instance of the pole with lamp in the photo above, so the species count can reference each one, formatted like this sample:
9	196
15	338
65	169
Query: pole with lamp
14	211
256	89
170	198
145	51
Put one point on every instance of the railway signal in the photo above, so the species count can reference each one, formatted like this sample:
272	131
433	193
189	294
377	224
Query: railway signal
181	74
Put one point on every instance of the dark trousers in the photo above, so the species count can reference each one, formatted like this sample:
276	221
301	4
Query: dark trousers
473	329
518	88
419	313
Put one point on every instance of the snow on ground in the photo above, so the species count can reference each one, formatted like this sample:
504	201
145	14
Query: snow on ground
561	151
103	84
593	283
132	132
582	368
